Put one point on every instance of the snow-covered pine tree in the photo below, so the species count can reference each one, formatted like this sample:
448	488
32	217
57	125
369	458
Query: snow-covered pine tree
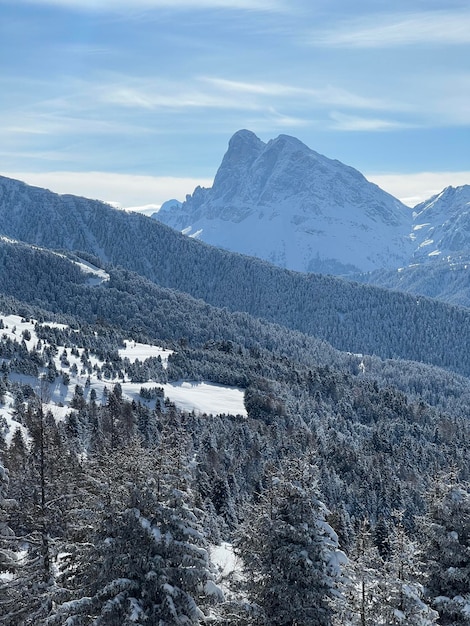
42	489
8	564
363	599
146	560
404	594
290	554
446	535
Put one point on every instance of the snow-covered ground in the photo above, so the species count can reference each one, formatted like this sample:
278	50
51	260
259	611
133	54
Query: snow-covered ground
224	559
206	398
97	275
142	351
201	397
6	413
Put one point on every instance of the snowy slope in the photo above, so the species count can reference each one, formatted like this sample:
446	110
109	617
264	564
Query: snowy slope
200	397
442	225
287	204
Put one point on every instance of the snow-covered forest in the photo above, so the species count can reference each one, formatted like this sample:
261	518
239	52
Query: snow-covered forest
167	462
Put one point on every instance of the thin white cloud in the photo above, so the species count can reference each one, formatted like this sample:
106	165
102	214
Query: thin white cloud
112	6
169	97
59	124
392	30
415	188
279	120
126	190
341	121
221	93
329	94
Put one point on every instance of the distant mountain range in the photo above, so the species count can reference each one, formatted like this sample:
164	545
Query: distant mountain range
282	202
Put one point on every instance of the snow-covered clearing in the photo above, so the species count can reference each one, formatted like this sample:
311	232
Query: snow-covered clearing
200	397
206	398
97	275
142	351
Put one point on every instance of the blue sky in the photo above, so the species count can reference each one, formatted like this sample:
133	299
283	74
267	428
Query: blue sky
134	101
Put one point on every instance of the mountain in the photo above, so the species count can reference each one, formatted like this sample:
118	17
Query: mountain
442	225
285	203
351	317
169	205
141	427
440	264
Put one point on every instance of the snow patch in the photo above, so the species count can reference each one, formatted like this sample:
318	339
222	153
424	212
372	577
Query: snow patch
98	276
140	351
224	559
206	398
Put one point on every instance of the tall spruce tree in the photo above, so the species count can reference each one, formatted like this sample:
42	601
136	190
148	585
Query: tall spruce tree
42	489
404	603
363	600
8	564
290	554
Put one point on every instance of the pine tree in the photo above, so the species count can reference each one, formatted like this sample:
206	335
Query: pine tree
404	601
364	596
290	553
8	564
146	560
43	488
446	535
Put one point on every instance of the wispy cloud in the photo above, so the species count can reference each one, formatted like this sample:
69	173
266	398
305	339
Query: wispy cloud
216	92
404	29
327	95
340	121
278	120
112	6
24	123
127	190
168	97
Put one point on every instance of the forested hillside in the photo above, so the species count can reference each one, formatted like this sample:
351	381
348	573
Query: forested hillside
351	317
445	279
116	504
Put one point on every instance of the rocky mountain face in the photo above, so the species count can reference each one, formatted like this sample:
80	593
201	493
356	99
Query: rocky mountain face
279	201
442	225
440	264
282	202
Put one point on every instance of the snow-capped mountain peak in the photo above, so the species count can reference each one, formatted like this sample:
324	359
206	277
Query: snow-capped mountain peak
283	202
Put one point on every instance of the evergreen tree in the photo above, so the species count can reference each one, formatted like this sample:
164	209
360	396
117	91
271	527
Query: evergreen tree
446	535
43	487
364	596
290	553
8	596
404	603
146	560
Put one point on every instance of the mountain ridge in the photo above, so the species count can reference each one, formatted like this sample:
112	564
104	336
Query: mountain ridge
285	203
351	317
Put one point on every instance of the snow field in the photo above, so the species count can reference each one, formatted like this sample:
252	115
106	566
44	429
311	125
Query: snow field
201	397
